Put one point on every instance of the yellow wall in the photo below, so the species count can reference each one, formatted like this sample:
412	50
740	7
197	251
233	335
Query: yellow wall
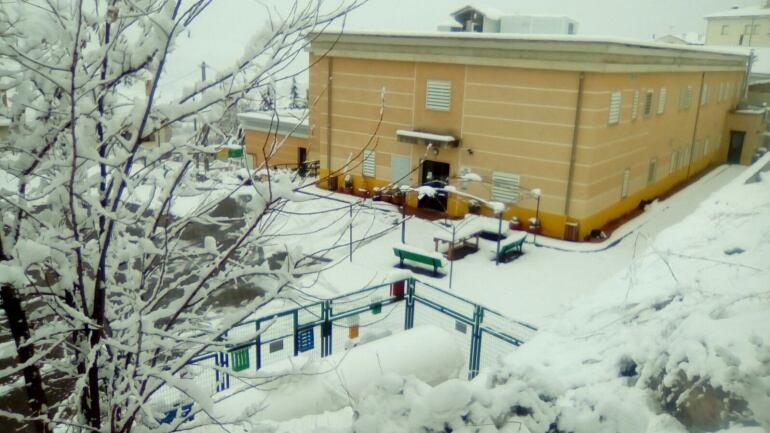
522	121
280	149
753	124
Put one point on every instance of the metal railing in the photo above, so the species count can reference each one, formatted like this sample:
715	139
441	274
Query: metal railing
320	329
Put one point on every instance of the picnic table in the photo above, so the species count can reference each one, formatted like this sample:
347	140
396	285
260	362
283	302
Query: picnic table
466	233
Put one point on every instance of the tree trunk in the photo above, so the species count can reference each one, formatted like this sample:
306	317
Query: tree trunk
33	381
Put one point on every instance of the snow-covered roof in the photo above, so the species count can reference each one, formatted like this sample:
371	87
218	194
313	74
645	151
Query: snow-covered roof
427	136
4	121
572	39
741	12
761	65
294	122
691	38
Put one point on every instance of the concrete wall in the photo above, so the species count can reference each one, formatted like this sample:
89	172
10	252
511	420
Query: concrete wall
737	27
522	121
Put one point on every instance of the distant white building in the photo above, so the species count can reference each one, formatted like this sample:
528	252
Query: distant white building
473	18
689	38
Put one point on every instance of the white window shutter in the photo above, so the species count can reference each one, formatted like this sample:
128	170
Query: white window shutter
662	100
635	106
369	165
704	94
616	99
505	187
438	95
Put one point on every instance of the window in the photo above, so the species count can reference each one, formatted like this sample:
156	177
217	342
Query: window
438	95
370	163
652	171
685	159
685	98
725	29
706	147
571	29
648	102
729	91
674	161
626	182
704	94
505	187
662	100
616	99
635	106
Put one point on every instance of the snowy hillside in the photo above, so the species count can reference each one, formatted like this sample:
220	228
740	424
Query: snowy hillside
679	342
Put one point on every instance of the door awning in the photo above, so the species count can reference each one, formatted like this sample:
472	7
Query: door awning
425	137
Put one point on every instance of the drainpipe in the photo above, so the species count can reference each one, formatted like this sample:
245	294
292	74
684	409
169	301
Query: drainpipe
695	128
573	150
330	72
749	67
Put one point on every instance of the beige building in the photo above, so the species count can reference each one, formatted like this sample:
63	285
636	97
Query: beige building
749	27
280	138
599	126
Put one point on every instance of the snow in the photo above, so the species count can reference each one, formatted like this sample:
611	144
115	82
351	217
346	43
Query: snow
427	136
740	12
613	40
329	384
678	341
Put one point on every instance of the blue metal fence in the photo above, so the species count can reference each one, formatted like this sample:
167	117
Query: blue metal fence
323	328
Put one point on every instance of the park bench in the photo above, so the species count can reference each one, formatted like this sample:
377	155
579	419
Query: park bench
511	249
426	258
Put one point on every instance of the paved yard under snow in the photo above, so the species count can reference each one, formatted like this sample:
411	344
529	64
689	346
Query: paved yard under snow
533	287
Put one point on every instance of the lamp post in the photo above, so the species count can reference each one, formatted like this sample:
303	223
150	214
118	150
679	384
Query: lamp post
536	193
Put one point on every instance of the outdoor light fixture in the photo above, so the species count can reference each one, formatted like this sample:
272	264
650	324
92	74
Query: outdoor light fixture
435	151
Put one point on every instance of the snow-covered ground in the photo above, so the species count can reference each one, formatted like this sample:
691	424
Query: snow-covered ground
533	288
678	341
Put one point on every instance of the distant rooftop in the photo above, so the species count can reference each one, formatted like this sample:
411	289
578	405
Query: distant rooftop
741	12
283	122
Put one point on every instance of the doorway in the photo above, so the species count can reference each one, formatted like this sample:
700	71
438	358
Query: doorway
436	175
736	147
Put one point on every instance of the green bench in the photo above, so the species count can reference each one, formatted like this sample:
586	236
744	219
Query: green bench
413	256
511	250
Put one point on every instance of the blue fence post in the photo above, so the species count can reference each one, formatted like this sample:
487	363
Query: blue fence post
409	308
326	330
295	316
258	348
474	363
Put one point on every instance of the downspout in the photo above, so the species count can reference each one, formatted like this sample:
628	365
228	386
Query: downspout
329	87
573	150
749	67
695	128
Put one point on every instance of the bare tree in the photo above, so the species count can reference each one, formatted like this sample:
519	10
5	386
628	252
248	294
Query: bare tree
103	283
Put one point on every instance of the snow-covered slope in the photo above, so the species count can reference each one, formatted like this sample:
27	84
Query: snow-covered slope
679	342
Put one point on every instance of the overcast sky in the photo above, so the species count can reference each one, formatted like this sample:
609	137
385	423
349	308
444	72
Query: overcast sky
218	38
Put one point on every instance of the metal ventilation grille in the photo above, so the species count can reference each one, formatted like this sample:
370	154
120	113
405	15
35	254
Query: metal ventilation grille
369	163
615	101
438	95
505	187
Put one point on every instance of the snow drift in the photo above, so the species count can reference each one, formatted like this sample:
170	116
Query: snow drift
678	342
